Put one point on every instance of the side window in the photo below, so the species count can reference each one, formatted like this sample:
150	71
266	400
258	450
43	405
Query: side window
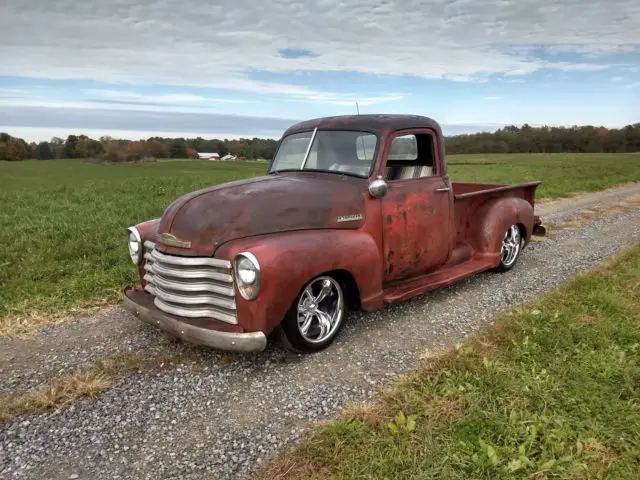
410	156
365	147
404	148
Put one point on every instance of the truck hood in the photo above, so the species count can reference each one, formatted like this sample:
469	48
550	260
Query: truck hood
199	222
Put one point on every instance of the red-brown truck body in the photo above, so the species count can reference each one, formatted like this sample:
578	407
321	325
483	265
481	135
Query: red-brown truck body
386	226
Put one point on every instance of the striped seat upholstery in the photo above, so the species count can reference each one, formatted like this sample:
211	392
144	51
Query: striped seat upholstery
404	173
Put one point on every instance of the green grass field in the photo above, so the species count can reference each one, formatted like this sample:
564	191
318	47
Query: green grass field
552	390
63	222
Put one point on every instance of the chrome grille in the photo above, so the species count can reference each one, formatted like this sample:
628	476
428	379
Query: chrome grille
190	286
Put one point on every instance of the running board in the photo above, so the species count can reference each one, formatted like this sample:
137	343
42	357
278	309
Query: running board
437	279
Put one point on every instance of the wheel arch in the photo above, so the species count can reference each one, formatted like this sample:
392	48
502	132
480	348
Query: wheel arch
494	217
288	261
349	285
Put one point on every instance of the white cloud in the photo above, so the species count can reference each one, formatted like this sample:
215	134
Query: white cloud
633	85
166	99
178	102
493	98
215	45
351	98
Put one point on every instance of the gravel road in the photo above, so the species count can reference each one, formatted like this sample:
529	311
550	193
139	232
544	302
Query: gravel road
226	413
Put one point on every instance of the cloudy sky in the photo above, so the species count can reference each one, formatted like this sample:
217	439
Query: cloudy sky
240	67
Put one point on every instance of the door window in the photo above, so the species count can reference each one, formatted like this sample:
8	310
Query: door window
410	156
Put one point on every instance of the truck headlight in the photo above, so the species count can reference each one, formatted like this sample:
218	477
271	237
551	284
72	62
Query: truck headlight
135	245
247	273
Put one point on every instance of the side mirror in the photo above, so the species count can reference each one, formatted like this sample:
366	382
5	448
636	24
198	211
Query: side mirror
378	188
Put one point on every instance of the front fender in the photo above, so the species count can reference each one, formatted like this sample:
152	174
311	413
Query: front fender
493	218
148	231
289	260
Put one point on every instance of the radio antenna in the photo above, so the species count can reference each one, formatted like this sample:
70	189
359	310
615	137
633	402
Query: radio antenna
357	108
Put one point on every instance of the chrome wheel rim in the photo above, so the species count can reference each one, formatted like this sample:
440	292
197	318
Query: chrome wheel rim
511	245
320	309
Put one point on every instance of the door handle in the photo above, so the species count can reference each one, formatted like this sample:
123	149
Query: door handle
443	189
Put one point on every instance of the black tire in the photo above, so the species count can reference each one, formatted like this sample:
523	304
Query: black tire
510	248
291	329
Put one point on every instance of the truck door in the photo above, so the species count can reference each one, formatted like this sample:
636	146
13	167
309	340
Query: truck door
416	209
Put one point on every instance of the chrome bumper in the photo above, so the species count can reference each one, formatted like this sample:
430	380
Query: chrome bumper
240	342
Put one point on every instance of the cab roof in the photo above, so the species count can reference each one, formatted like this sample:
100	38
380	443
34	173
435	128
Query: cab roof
376	123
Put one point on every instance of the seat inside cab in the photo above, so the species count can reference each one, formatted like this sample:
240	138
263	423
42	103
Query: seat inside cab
410	156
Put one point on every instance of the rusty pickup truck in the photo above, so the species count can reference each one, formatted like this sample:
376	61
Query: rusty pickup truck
353	212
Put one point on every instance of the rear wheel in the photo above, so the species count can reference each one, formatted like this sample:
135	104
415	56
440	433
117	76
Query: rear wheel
316	315
510	249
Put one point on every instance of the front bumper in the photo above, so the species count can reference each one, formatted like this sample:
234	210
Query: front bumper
232	341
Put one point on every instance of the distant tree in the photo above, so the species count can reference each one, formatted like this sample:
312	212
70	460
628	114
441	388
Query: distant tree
31	149
237	148
44	151
4	151
70	146
178	148
16	149
59	151
92	148
156	149
4	137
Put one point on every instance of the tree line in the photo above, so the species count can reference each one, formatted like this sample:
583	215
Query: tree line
110	149
527	139
510	139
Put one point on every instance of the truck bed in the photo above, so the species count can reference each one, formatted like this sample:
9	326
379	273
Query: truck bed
468	197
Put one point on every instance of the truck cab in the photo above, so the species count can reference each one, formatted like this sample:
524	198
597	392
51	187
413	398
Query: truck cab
352	212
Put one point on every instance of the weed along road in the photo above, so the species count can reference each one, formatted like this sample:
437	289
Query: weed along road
173	410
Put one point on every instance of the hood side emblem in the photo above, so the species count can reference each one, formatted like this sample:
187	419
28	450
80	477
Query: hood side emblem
349	218
173	241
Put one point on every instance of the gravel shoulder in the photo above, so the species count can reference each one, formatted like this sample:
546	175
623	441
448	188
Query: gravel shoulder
228	413
563	208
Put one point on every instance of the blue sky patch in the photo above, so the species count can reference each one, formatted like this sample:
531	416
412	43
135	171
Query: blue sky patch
296	53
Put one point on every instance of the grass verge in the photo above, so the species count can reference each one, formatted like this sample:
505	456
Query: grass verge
83	383
551	390
63	222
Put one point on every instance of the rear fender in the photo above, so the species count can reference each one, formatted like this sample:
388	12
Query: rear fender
288	261
491	221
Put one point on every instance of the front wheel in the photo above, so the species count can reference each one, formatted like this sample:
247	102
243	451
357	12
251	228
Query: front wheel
316	315
510	248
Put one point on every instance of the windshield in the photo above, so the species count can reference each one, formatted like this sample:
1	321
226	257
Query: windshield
339	151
